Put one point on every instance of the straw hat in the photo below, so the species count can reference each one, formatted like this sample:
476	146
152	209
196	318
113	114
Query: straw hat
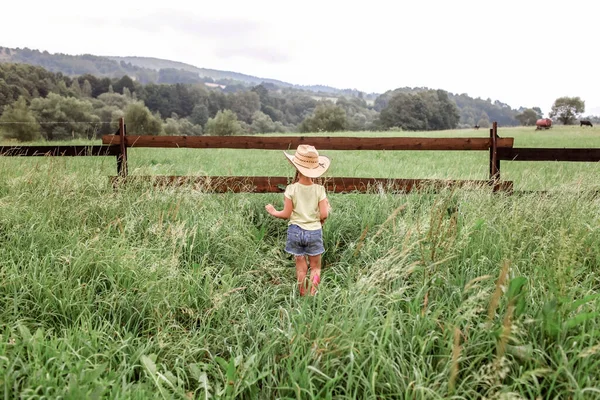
308	161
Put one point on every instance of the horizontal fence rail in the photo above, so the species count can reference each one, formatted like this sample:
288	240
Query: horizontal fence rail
321	143
277	184
72	151
548	154
500	149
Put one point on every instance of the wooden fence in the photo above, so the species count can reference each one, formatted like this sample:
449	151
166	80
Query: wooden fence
499	149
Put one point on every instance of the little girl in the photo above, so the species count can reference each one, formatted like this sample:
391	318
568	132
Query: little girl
307	207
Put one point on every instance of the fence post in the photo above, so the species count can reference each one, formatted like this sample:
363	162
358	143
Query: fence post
491	153
494	162
496	159
122	157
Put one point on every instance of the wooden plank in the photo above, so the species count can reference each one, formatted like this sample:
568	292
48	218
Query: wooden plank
549	154
277	184
320	142
72	151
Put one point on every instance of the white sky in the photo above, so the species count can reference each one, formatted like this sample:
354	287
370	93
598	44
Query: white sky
524	53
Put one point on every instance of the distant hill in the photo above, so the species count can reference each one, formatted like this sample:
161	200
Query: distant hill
150	70
219	76
77	65
158	64
156	70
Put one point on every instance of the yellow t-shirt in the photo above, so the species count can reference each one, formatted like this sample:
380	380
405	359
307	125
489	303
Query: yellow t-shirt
306	200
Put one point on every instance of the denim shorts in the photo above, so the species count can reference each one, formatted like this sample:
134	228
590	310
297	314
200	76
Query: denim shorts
301	242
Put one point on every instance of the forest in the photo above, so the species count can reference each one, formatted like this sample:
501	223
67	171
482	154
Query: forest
36	103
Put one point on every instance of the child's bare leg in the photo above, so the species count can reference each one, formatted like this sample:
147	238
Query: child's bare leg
315	273
301	270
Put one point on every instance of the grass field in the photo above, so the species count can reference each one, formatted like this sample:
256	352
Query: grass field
145	293
380	164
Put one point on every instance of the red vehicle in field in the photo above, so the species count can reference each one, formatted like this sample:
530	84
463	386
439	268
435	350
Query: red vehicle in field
543	123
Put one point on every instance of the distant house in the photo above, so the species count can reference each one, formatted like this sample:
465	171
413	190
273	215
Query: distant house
321	98
214	85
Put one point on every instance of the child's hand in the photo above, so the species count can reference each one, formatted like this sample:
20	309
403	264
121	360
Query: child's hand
270	209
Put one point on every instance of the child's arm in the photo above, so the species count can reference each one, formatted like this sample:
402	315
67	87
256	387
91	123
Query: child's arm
288	206
324	209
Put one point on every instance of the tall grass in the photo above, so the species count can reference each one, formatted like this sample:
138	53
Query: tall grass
148	293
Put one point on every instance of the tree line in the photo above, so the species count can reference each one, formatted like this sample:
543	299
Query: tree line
154	70
38	104
566	110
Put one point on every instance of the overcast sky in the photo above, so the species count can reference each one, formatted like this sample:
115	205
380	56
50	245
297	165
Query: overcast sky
524	53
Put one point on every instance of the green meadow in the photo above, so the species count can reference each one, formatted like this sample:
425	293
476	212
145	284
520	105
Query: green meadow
142	292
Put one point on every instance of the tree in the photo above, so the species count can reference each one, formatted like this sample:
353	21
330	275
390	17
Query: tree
124	82
225	123
86	89
422	110
358	122
65	117
275	114
140	120
262	93
75	89
442	112
109	108
173	75
567	109
169	99
244	104
97	86
528	117
296	108
216	101
358	114
17	122
199	115
180	126
115	99
469	108
109	117
405	110
262	123
327	117
483	122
